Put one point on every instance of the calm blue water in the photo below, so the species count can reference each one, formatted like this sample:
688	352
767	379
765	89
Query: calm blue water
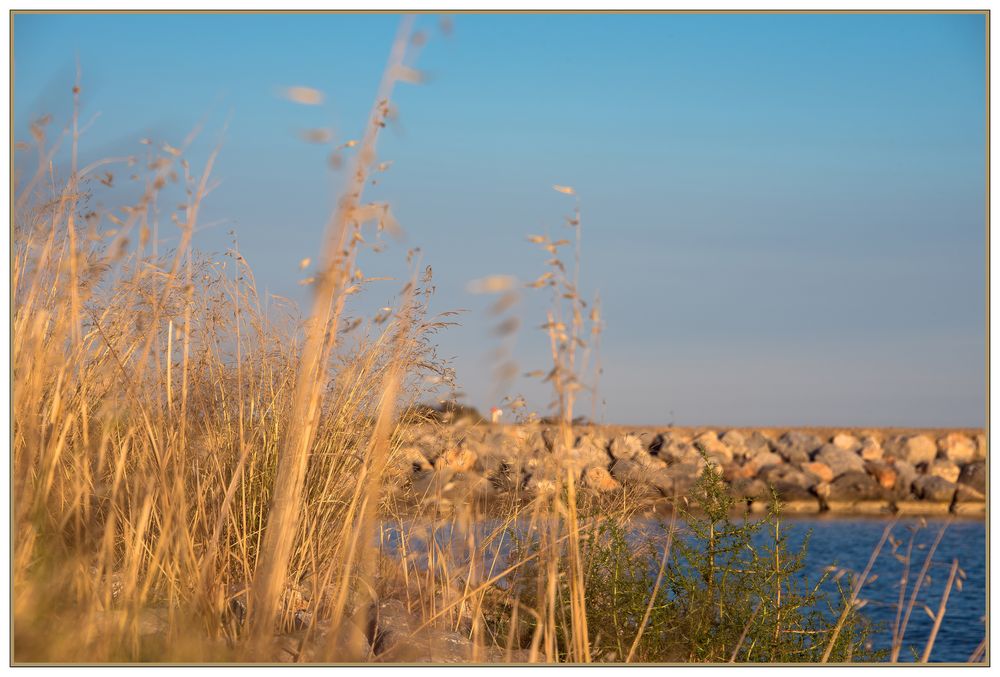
836	541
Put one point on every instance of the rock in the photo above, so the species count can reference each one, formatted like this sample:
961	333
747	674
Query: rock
765	459
917	449
627	446
846	442
749	488
411	461
957	447
944	469
871	450
713	446
884	473
599	479
980	446
821	471
967	494
797	447
839	461
974	475
589	453
934	489
854	486
733	439
734	471
678	478
457	460
785	475
735	442
905	474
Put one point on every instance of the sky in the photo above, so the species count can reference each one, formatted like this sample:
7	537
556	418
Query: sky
783	215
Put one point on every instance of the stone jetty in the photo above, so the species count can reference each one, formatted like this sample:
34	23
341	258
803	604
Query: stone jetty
845	471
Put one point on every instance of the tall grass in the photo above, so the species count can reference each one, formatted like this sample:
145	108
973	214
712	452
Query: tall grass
190	463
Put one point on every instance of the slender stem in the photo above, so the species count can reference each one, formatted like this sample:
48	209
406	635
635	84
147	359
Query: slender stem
939	616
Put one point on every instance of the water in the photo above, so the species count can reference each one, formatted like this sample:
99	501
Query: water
849	543
844	542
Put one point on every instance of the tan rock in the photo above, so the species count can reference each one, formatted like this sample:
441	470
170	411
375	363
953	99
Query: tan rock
919	449
884	473
599	479
945	469
459	460
871	449
819	470
713	446
957	447
981	447
846	441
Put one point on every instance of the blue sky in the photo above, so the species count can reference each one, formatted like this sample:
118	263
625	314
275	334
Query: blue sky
783	214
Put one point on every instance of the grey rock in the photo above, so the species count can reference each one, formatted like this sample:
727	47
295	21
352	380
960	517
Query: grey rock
915	449
974	475
766	459
798	447
839	460
855	486
787	476
934	489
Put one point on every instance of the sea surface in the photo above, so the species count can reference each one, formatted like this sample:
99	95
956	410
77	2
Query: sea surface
834	541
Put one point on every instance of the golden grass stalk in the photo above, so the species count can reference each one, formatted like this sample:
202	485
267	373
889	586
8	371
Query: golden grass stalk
337	261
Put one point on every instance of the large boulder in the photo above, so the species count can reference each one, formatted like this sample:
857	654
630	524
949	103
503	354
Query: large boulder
957	448
798	447
765	459
457	459
714	447
599	479
884	473
627	447
871	449
787	478
974	475
733	439
839	461
934	489
847	442
749	489
854	486
821	471
945	469
756	442
906	473
915	449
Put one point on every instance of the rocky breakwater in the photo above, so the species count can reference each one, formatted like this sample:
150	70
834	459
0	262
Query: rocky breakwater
840	471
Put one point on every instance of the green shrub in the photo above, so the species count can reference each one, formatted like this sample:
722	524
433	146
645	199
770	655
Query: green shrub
732	590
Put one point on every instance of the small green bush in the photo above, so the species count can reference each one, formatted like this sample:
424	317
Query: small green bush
732	590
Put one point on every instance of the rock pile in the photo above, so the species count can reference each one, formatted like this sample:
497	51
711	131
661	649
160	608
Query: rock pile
871	472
